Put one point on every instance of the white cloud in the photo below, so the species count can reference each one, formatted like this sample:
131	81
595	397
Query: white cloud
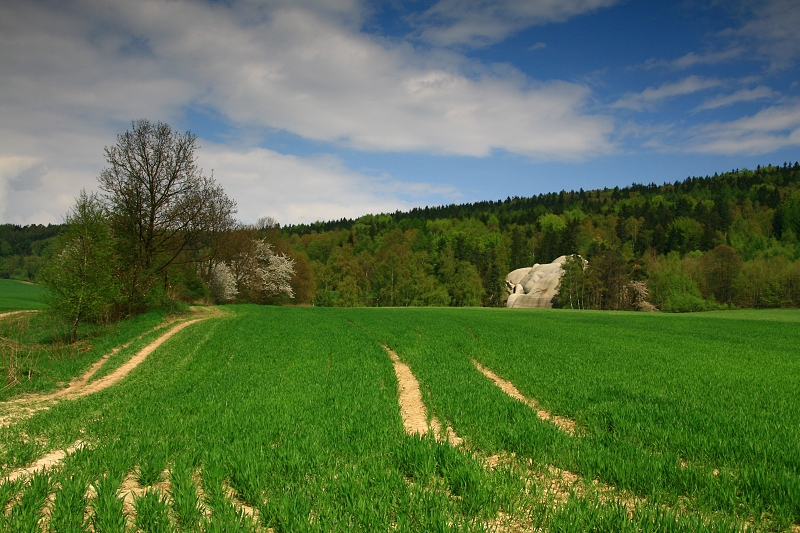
693	59
653	95
300	73
768	130
75	73
293	189
483	22
767	31
42	172
10	168
744	95
773	30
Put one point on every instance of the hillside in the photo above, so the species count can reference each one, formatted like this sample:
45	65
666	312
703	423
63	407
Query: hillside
680	237
23	249
725	240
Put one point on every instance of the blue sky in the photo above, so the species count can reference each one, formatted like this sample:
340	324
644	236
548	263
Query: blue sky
316	110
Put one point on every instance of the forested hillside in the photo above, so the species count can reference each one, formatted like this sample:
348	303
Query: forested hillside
726	239
24	249
722	240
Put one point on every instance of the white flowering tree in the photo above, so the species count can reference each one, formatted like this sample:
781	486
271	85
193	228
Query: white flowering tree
222	283
262	272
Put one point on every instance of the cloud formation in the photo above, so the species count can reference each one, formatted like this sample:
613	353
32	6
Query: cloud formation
693	59
89	67
73	73
773	31
652	95
770	129
744	95
304	190
476	23
767	31
300	73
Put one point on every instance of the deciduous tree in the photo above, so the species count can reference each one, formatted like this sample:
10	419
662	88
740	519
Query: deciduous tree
262	272
161	203
80	275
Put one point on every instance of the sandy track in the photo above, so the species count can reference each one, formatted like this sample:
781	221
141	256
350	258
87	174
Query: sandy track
412	408
12	313
120	373
26	406
567	425
48	461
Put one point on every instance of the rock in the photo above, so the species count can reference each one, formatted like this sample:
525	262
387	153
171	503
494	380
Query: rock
516	276
535	286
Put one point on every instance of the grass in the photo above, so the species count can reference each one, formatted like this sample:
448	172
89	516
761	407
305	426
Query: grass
673	407
36	358
17	295
292	412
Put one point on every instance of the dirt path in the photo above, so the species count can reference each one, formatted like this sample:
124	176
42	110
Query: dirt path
12	313
25	406
48	461
412	408
120	373
567	425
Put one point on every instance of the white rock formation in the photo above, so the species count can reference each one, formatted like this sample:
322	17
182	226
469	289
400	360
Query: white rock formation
535	286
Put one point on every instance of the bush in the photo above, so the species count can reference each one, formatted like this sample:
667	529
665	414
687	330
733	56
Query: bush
672	288
688	303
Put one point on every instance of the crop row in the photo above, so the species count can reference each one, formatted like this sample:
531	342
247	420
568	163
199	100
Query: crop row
672	408
292	413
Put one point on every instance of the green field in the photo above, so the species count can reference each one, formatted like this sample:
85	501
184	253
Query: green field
686	423
17	295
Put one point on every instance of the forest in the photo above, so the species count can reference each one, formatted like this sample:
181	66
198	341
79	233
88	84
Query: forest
723	241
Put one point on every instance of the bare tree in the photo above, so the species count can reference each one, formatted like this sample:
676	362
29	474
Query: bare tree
161	204
265	223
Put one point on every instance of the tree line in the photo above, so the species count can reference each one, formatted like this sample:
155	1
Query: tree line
703	243
159	230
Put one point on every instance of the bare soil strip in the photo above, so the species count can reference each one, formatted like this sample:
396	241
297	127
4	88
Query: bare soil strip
412	408
26	406
567	425
198	482
547	483
12	313
239	504
120	373
48	461
130	490
233	496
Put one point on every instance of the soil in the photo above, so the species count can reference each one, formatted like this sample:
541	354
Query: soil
567	425
12	313
130	489
412	408
233	496
25	406
48	461
239	504
118	374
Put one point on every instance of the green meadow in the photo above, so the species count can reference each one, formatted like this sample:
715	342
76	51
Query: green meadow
18	295
287	418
